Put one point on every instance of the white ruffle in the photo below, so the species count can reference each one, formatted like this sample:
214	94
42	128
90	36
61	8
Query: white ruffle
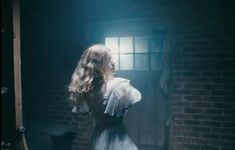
119	96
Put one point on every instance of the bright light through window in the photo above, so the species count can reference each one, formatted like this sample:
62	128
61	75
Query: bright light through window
136	53
126	45
112	43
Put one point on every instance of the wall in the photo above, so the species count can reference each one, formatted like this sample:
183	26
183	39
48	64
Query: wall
203	81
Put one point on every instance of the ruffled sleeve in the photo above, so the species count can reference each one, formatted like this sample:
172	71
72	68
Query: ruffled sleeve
120	95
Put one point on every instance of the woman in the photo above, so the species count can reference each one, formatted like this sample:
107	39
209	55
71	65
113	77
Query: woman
94	89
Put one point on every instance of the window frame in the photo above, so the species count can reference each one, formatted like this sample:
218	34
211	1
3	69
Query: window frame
134	53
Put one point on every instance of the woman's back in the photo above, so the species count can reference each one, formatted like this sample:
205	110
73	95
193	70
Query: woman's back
108	104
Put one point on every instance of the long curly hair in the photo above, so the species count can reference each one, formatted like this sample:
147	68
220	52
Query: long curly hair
88	72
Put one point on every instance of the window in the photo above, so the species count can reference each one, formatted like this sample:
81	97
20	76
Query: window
136	53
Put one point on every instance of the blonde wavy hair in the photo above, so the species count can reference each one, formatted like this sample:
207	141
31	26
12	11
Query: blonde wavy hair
89	72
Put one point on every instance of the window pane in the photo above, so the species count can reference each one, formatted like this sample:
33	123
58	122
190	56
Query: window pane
141	45
126	45
141	62
156	44
112	43
116	60
126	61
156	62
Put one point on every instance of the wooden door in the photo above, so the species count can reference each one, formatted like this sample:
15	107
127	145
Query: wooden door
146	121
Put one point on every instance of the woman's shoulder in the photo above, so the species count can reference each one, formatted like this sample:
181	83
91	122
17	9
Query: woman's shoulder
120	95
116	82
116	86
120	79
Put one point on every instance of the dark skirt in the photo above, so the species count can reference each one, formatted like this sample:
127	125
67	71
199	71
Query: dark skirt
114	137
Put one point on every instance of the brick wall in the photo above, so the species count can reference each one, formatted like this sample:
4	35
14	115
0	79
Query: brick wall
203	82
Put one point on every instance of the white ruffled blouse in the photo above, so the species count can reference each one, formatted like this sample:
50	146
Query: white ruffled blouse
118	96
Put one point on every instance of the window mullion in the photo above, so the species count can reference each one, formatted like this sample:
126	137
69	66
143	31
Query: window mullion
133	42
149	56
119	59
